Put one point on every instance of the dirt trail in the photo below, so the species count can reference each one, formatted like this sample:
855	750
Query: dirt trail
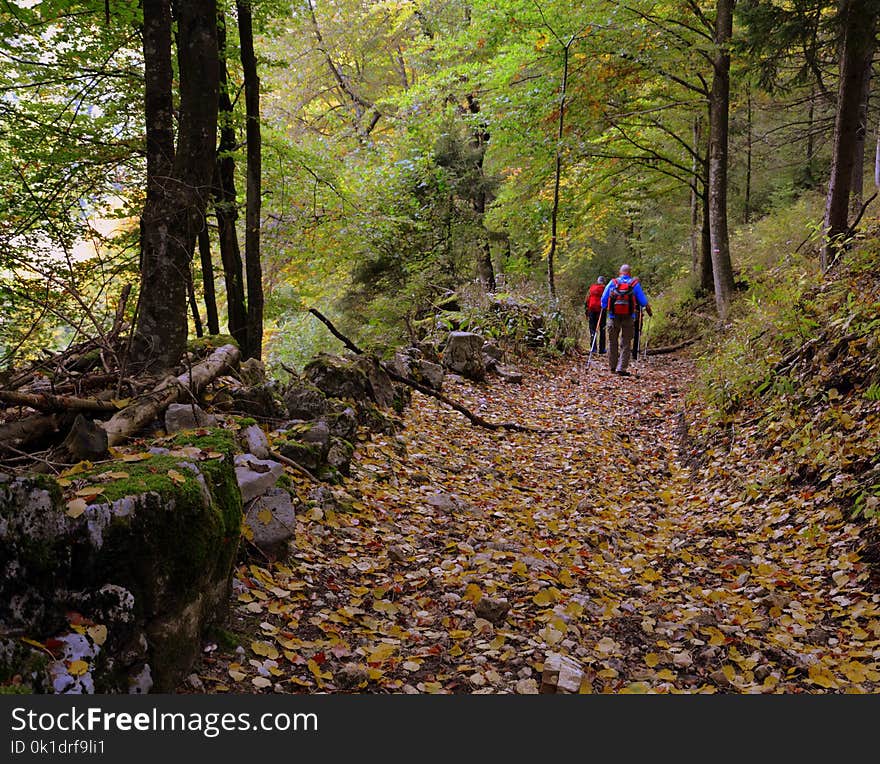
647	574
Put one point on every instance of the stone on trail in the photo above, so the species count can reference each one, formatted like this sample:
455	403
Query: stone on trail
509	374
493	610
561	674
255	442
272	520
255	476
187	416
464	355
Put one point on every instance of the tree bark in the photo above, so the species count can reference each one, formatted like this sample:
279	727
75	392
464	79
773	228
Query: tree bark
193	304
696	181
158	101
225	205
253	266
479	142
858	181
857	21
707	274
719	115
747	201
208	281
173	216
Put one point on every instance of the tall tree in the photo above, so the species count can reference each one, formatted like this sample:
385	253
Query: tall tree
858	19
226	201
174	214
719	118
253	265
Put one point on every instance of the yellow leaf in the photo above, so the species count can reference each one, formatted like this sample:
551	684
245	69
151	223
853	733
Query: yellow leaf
266	649
76	507
822	676
547	596
498	642
729	671
77	668
854	671
550	635
382	652
316	671
176	476
136	457
89	490
115	475
261	682
652	659
120	403
265	515
237	675
666	674
98	633
473	593
459	633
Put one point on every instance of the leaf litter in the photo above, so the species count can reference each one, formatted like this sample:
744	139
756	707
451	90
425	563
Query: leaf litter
599	559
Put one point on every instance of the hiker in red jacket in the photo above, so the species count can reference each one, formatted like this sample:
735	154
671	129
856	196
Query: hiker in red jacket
594	314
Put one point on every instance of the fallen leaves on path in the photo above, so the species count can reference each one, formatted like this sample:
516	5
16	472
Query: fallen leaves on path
459	560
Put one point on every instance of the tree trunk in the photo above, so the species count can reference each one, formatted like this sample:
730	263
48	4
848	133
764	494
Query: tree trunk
719	108
208	281
554	213
747	202
858	181
695	197
158	100
253	266
225	206
193	304
857	21
174	214
479	142
707	275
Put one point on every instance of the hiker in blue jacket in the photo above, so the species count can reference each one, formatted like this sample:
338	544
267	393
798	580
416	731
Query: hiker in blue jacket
619	300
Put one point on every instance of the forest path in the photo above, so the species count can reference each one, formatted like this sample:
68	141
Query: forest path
646	574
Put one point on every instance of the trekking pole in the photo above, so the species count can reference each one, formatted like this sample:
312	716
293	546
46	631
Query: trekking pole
647	327
639	350
595	337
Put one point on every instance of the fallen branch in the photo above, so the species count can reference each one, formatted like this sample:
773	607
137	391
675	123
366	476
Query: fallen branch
470	415
669	348
148	406
47	402
290	463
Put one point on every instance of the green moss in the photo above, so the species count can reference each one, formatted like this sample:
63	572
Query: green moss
307	455
216	439
246	421
204	345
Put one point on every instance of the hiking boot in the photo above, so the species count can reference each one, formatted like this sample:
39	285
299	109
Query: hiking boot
623	373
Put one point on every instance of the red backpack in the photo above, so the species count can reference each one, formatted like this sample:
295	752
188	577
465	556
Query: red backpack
622	298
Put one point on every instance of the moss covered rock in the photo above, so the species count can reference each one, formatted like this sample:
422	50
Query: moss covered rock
114	589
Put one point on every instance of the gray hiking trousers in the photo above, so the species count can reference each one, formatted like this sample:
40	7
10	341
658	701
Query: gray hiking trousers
620	340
